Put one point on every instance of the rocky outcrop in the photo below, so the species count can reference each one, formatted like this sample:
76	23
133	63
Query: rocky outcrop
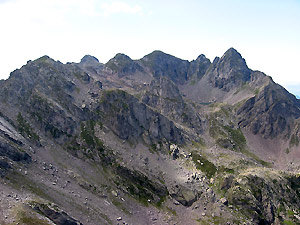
163	95
184	195
270	113
11	152
198	67
130	119
58	217
229	71
262	195
141	187
88	59
162	64
124	65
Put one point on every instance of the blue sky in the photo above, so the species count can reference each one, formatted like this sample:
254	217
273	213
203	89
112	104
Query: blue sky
265	32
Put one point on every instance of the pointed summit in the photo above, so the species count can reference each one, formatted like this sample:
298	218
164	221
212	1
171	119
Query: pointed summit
123	65
121	57
230	70
232	52
233	60
198	67
163	64
158	54
233	56
201	57
89	59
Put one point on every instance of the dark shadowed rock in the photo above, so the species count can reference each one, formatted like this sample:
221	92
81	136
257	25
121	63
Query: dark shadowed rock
198	67
12	152
270	113
162	64
229	71
184	196
129	119
57	217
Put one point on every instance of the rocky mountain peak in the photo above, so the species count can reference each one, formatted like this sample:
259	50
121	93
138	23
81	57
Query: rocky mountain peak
121	56
232	52
202	57
42	59
89	59
124	65
162	64
230	70
233	61
199	66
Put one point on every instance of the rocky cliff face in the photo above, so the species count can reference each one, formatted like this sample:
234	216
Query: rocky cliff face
162	64
229	71
164	95
158	140
271	112
130	119
198	67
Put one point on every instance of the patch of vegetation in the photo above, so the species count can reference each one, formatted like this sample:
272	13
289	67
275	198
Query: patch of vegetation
120	206
200	143
43	111
106	218
141	188
288	222
294	141
73	146
287	150
228	137
19	181
26	219
223	169
77	89
237	136
256	158
54	131
174	100
172	211
295	184
245	86
216	220
87	134
215	129
153	148
290	213
114	101
193	82
280	209
204	165
25	129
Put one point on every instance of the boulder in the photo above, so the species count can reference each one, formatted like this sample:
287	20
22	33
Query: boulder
184	195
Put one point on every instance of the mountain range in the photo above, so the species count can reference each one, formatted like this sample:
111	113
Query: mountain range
159	140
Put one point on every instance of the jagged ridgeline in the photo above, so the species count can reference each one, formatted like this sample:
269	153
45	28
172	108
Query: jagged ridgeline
159	140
